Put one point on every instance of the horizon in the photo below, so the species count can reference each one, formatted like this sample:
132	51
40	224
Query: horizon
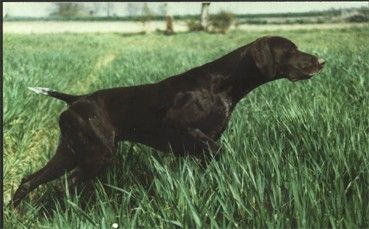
43	9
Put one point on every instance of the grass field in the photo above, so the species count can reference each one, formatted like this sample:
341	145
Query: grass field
294	154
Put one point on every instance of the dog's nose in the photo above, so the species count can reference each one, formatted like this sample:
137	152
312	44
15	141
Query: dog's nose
321	61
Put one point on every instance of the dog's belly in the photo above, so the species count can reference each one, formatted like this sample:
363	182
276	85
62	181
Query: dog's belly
168	139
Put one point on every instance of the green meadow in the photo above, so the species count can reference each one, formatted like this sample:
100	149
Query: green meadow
293	155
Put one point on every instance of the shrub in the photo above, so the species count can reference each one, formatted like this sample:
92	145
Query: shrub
320	21
357	18
301	21
194	25
221	22
256	22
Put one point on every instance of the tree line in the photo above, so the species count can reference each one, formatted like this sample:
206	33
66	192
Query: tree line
142	12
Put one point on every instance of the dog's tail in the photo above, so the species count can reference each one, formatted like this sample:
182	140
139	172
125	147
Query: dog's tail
69	99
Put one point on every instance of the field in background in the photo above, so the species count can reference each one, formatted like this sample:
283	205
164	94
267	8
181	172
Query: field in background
327	19
325	16
295	154
30	27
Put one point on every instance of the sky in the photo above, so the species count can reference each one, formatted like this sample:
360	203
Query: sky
42	9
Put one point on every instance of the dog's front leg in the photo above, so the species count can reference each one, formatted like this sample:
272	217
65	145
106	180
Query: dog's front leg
213	147
192	141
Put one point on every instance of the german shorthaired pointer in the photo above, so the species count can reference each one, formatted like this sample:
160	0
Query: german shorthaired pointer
185	114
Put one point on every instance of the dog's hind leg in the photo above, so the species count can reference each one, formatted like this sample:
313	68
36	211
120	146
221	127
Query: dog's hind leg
96	145
90	167
60	163
63	161
98	158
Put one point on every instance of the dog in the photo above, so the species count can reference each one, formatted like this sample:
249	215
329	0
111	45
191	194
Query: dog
185	114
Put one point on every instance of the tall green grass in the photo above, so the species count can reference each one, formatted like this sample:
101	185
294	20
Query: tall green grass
294	154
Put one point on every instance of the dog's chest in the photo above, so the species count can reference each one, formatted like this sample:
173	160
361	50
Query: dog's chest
199	109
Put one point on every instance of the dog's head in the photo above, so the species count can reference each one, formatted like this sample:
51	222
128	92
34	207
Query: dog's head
278	57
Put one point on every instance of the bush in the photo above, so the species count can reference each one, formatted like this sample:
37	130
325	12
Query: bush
320	21
357	18
221	22
299	21
257	22
194	25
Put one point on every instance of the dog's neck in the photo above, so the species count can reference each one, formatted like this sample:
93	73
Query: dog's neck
238	76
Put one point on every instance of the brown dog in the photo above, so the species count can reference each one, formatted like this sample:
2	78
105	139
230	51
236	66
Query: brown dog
186	113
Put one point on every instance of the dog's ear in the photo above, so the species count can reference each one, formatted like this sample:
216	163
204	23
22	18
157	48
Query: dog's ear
263	57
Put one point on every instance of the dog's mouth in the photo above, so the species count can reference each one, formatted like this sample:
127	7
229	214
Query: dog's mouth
303	76
307	72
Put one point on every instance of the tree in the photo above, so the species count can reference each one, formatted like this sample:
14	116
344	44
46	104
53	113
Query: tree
108	7
204	17
146	16
168	20
67	9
